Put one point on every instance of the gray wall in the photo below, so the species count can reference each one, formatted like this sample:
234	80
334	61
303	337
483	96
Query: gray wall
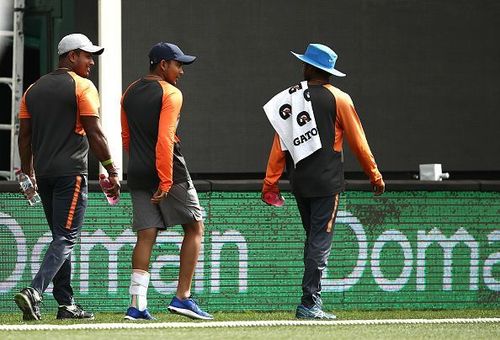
423	74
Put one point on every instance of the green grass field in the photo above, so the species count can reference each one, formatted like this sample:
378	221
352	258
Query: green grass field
399	331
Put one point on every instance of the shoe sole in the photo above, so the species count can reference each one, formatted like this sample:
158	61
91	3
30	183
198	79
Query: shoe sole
25	305
70	318
313	318
305	317
188	313
131	318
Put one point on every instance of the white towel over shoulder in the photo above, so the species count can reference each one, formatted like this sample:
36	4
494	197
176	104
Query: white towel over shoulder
291	115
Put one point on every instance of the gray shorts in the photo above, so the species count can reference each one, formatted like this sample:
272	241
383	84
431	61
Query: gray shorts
181	206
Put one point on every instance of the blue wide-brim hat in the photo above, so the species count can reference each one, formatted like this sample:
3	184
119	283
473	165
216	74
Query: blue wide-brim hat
322	57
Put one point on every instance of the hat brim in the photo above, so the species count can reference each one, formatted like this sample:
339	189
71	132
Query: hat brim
97	50
321	67
186	59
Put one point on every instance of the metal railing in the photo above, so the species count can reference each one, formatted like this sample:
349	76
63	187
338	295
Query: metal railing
15	84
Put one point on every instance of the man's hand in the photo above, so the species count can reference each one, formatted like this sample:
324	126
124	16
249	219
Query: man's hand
32	191
272	198
378	187
113	191
158	196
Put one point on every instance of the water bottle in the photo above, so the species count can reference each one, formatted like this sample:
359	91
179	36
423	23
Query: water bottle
105	184
27	188
274	199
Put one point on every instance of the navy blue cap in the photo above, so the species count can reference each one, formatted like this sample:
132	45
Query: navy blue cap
167	51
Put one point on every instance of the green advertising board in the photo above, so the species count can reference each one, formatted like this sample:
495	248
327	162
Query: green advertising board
403	250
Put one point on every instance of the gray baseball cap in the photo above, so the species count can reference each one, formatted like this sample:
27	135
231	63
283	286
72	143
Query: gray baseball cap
78	41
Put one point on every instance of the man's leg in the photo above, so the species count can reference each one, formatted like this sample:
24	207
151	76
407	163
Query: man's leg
190	249
182	303
63	292
69	206
185	206
70	197
139	280
317	250
145	214
304	205
29	298
141	254
56	255
65	204
46	191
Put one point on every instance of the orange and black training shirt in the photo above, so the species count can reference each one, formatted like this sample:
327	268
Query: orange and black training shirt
150	115
55	103
321	174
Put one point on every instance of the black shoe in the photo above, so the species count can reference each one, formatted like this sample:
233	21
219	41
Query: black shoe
73	312
28	300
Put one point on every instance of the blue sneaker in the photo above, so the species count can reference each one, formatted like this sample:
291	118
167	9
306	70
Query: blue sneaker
135	314
313	312
188	308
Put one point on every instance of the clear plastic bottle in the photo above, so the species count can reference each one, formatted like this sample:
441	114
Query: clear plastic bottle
105	184
27	188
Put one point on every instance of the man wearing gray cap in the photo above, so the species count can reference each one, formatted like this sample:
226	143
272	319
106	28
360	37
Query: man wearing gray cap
59	121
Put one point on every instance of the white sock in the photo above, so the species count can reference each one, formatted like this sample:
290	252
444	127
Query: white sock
139	282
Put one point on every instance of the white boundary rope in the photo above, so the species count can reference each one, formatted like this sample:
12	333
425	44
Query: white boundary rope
224	324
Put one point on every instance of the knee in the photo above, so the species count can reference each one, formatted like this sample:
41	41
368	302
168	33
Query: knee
64	242
147	236
195	229
318	257
199	228
62	246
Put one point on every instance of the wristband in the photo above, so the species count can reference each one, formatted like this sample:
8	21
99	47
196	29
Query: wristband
107	162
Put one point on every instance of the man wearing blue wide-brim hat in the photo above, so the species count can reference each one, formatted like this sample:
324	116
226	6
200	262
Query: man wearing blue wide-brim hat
311	120
321	57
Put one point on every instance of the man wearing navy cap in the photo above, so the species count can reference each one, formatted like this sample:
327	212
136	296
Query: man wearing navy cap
318	179
161	188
